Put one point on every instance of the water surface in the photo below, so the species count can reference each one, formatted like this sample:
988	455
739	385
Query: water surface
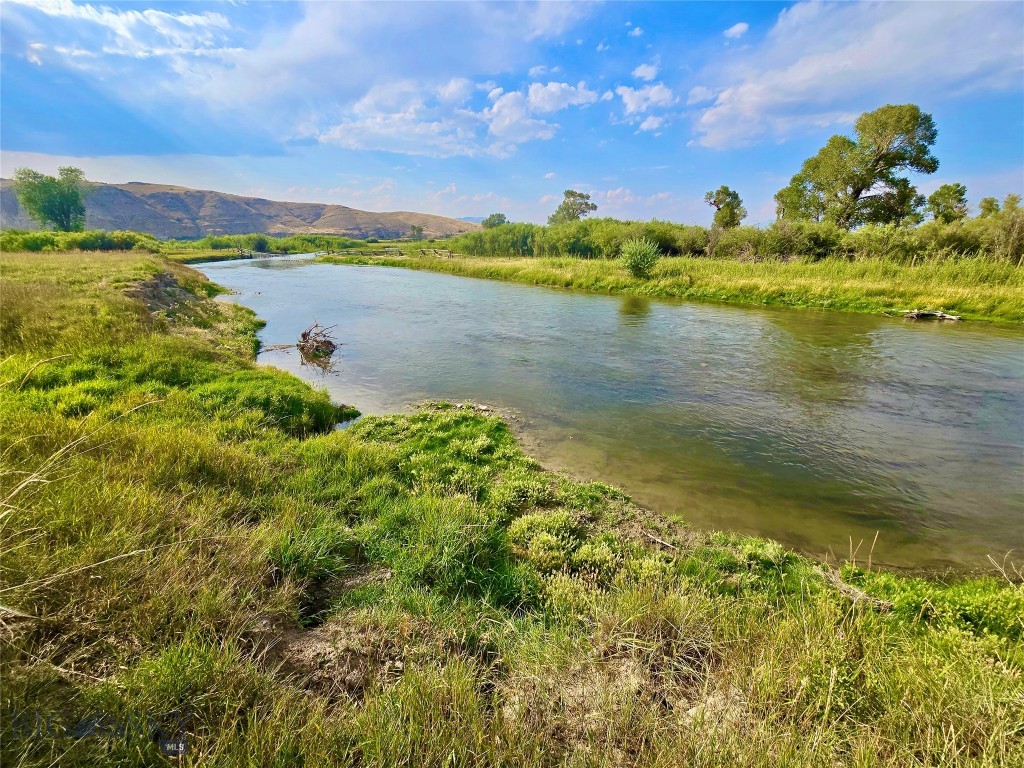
814	428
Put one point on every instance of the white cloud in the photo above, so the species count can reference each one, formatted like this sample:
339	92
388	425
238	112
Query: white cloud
699	94
636	32
607	96
456	90
510	123
549	175
646	72
824	63
141	34
537	71
641	99
620	197
737	31
555	96
601	47
404	117
652	123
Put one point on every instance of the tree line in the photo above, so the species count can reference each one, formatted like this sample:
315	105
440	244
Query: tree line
849	198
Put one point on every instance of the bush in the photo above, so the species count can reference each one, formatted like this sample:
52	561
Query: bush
639	257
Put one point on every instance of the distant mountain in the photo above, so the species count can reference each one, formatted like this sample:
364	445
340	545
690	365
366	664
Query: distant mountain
473	219
168	211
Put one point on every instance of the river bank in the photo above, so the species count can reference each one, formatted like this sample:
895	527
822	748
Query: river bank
976	288
189	531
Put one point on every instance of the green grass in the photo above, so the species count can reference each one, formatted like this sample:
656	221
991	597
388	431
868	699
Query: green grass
978	288
183	529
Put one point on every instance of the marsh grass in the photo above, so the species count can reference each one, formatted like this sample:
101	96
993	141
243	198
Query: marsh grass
183	530
979	288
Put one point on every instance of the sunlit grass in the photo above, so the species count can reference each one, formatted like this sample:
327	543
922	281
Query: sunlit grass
183	529
976	288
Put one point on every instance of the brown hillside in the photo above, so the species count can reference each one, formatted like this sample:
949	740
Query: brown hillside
167	211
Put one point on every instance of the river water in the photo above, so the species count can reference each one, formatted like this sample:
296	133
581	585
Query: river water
817	429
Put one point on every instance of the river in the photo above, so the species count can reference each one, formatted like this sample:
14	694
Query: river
818	429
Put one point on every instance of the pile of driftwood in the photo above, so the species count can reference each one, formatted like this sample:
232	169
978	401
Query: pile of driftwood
316	346
316	341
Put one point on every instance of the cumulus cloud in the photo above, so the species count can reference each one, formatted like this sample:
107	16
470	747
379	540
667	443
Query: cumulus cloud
652	123
636	32
456	90
601	47
824	63
405	117
549	175
637	100
510	121
737	31
555	96
699	94
646	72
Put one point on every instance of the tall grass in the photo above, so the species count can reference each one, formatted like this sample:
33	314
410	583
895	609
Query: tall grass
977	288
183	531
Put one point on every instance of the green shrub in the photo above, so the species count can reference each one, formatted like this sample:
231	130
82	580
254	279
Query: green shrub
598	560
639	257
560	524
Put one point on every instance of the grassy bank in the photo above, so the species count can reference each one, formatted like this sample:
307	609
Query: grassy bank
977	288
184	531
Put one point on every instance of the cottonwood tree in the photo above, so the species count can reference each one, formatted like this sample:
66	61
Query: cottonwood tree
57	202
948	203
987	206
416	232
856	181
729	210
573	207
494	220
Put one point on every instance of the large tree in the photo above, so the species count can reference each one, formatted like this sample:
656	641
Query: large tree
987	206
57	202
494	220
729	210
948	203
856	181
573	207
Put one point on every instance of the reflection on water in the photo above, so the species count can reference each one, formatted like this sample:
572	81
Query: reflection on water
814	428
634	310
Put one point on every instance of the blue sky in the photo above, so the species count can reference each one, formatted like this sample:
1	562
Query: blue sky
464	109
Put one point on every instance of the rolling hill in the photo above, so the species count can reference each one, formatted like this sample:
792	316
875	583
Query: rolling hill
179	212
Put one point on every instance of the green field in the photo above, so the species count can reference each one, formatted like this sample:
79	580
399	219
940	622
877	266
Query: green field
184	530
978	288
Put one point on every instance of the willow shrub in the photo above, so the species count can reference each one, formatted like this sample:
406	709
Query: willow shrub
639	257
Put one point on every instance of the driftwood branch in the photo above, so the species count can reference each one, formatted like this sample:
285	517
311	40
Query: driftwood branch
854	594
920	314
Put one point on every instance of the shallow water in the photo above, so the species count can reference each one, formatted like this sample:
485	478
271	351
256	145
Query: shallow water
814	428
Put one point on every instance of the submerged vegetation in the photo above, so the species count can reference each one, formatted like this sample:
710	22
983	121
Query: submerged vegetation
184	531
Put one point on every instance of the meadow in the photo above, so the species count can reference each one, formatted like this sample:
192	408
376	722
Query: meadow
977	288
186	531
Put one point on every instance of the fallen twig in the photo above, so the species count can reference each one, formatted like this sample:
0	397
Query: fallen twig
855	594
